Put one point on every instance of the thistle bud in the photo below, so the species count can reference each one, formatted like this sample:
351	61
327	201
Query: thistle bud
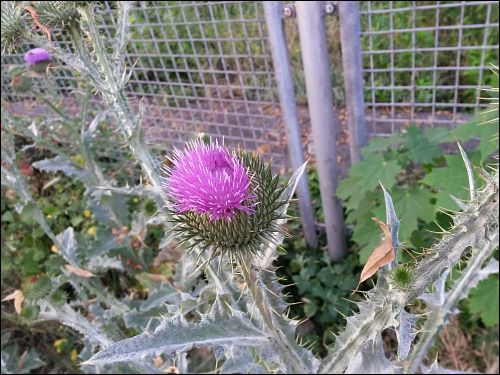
37	59
221	201
402	276
18	79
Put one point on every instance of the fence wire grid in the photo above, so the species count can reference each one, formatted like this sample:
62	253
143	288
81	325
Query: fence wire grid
426	62
207	67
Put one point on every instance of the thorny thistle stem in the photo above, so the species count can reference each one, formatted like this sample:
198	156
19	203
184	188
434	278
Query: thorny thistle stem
286	345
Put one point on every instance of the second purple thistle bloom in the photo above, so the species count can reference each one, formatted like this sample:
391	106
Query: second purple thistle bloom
209	179
37	55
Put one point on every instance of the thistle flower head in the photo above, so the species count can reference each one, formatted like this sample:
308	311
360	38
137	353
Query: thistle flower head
37	56
208	179
223	202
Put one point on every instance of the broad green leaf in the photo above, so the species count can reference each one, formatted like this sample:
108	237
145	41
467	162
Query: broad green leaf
451	179
347	191
367	236
364	209
437	135
484	300
374	170
421	149
378	144
310	309
486	132
410	206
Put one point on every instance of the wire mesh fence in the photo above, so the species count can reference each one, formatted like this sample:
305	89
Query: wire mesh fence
426	62
206	67
199	67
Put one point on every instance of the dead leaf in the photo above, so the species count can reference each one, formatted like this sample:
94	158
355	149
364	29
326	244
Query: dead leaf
78	271
157	278
381	256
18	298
158	361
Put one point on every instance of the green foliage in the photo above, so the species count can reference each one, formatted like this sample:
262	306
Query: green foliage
425	80
411	165
484	300
319	282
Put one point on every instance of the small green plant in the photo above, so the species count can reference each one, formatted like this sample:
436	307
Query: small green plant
422	180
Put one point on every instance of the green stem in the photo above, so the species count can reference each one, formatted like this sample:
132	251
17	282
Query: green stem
114	96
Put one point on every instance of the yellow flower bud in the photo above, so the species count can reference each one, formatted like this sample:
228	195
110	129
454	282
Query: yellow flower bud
58	345
91	231
87	213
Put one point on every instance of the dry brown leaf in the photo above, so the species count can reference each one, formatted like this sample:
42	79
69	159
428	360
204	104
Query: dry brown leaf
157	278
158	361
78	271
381	256
18	298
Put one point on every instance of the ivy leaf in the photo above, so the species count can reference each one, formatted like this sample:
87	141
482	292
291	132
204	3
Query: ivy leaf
484	300
421	149
374	170
451	179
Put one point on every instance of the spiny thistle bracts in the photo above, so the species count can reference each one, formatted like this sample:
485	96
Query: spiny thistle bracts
402	276
245	222
13	26
57	14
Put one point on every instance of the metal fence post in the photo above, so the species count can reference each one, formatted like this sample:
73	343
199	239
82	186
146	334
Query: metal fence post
283	74
319	96
350	38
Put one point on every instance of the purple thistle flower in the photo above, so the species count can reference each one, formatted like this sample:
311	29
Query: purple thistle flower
208	179
37	55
